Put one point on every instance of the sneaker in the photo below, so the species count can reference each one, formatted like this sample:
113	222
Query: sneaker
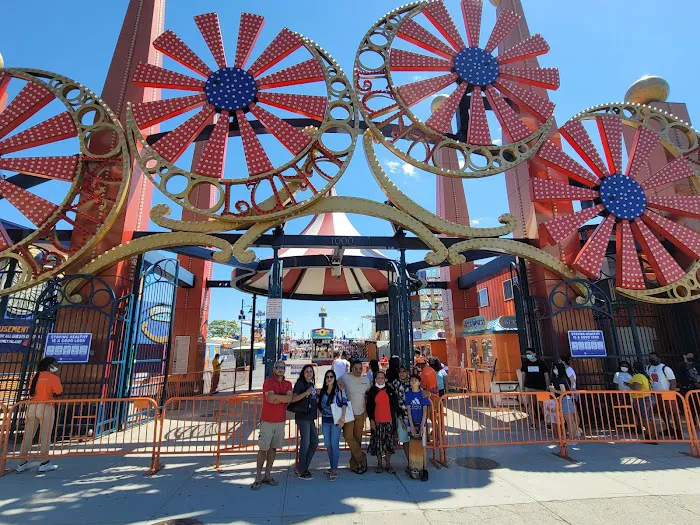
306	476
424	476
47	467
332	477
22	467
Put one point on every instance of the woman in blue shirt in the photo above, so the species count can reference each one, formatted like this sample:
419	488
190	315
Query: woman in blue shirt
436	365
331	395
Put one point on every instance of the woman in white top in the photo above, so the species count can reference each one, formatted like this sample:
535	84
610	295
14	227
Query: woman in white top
570	372
623	376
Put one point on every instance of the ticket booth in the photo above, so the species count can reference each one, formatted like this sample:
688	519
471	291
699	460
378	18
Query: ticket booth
492	351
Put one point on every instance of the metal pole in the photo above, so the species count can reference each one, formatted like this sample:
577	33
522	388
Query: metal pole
406	345
251	364
272	326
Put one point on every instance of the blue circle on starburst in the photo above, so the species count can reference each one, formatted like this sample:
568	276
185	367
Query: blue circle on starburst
230	89
476	66
623	197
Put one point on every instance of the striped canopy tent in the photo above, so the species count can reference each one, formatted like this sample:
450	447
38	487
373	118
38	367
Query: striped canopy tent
306	272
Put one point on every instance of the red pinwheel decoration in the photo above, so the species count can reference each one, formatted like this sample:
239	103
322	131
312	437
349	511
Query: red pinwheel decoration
229	95
87	186
628	196
471	72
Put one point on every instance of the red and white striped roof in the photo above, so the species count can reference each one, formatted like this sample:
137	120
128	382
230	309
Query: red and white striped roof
310	282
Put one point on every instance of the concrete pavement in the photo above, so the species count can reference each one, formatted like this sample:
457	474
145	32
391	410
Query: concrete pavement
608	484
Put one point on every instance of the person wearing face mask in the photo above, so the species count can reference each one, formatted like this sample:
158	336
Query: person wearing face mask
623	376
692	374
41	414
383	410
401	385
664	380
533	377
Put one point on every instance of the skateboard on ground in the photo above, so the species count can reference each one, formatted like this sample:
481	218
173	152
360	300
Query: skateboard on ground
415	457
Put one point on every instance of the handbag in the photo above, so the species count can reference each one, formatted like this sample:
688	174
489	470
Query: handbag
303	406
338	412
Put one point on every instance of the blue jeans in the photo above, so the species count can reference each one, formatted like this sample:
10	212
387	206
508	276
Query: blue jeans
308	443
331	435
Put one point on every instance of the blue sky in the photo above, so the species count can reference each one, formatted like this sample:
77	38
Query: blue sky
600	48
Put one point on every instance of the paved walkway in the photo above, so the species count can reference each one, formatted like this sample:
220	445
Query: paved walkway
610	484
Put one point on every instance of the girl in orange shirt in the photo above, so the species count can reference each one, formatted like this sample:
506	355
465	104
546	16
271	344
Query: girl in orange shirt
45	386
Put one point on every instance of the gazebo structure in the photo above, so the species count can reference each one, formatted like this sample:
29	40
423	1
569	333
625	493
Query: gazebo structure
324	274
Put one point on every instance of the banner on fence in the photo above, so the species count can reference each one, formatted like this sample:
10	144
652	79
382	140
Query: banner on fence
69	347
14	335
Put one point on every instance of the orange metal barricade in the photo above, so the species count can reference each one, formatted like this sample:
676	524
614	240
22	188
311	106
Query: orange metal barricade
692	401
615	417
213	425
457	379
80	427
485	419
194	384
4	436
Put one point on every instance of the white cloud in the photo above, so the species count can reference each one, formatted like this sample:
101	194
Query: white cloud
475	222
417	77
393	166
498	142
409	170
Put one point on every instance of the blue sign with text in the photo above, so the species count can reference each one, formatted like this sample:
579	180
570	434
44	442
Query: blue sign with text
587	343
68	348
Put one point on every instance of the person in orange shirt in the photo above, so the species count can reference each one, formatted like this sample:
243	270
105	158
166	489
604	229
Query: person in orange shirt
45	386
428	377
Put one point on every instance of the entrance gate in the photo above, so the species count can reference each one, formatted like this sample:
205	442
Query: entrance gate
152	333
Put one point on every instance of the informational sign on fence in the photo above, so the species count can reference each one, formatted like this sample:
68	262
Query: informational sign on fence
274	309
181	354
14	335
587	343
69	347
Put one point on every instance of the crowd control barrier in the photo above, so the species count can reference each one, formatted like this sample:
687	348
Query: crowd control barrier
215	426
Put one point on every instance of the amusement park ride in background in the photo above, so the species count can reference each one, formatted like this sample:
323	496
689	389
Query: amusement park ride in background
635	166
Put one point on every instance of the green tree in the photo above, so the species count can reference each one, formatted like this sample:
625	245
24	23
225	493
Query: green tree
222	328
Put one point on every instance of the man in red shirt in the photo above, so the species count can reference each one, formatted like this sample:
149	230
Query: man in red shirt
277	394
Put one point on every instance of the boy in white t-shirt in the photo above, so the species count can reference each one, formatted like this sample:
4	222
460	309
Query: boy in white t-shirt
664	380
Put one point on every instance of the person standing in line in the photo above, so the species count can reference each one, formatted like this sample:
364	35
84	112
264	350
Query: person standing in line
356	386
561	387
664	380
533	377
215	374
341	365
623	376
305	417
392	373
383	410
428	376
642	401
45	386
331	395
570	372
441	374
401	385
277	394
416	404
692	374
373	369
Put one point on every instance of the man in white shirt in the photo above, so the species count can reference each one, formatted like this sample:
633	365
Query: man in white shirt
341	365
356	386
664	380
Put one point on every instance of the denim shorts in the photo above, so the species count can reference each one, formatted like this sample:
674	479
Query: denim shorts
644	406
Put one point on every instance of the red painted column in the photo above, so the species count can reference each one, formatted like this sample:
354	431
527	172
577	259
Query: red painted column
143	22
457	305
531	216
192	304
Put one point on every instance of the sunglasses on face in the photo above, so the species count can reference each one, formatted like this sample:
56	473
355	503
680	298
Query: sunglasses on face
279	368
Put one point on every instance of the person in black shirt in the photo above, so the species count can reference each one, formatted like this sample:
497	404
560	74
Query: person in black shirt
692	373
533	376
